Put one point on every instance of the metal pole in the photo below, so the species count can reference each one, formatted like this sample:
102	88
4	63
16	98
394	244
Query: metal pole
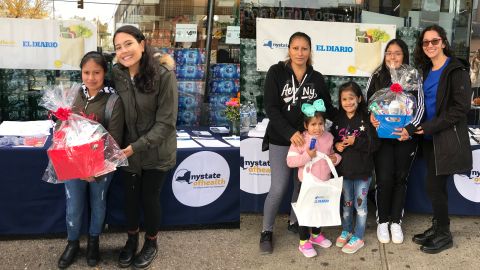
208	46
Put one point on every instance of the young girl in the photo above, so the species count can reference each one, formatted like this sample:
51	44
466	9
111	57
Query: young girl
351	131
299	156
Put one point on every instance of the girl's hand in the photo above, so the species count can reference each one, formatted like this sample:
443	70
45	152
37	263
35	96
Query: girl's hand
128	151
403	133
340	147
297	139
333	158
349	140
419	131
88	179
374	121
312	153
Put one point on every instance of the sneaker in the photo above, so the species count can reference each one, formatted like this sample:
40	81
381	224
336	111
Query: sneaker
266	246
307	250
292	227
353	245
320	240
397	234
382	233
343	239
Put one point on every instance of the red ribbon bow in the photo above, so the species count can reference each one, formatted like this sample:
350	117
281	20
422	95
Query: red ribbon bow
62	113
396	88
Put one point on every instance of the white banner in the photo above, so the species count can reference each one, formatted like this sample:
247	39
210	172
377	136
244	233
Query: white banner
45	44
340	49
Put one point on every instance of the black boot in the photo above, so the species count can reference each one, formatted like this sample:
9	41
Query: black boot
93	253
422	238
68	255
129	250
147	254
441	240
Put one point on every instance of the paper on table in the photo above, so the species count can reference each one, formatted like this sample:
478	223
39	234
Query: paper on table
25	128
211	142
234	140
187	144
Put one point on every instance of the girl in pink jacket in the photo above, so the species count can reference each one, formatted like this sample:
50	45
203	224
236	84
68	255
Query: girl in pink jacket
316	139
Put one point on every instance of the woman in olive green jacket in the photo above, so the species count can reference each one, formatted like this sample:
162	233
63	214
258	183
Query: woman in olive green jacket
149	94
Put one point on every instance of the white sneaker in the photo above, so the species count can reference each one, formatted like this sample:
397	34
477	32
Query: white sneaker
382	233
397	234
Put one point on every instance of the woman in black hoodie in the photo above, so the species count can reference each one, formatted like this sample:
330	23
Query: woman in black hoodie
288	85
446	144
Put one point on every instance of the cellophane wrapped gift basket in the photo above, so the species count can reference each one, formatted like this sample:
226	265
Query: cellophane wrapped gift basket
394	106
81	147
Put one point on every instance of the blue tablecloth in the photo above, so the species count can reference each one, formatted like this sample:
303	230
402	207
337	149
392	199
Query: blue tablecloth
29	205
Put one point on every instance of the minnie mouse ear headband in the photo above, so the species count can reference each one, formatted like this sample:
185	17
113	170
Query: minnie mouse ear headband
310	109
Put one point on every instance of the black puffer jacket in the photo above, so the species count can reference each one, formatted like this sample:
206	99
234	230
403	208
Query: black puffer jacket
449	127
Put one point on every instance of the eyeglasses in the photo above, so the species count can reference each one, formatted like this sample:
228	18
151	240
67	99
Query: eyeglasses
396	54
434	42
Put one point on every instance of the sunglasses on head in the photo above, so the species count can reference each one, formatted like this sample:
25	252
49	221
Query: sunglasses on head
434	42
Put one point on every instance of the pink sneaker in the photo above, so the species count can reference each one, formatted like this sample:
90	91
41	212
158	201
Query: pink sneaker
307	250
320	240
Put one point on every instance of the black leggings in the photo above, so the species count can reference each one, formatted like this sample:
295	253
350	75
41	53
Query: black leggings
146	188
305	234
436	186
392	166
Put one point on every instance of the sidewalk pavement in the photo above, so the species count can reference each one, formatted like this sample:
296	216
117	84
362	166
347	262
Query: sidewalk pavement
238	249
185	249
465	253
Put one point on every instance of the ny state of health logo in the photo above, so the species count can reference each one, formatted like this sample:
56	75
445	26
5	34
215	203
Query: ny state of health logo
199	180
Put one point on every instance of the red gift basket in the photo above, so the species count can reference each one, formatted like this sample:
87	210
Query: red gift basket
80	161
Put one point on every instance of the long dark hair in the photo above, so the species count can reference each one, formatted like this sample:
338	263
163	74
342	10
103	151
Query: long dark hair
357	91
421	59
147	70
309	41
384	72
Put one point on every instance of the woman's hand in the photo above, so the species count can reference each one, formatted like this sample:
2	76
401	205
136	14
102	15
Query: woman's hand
403	133
297	139
128	151
340	147
312	152
374	121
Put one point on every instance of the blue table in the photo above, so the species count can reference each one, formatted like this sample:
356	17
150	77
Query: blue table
29	205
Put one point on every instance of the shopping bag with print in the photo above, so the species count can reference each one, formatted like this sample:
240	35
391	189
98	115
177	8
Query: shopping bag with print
318	203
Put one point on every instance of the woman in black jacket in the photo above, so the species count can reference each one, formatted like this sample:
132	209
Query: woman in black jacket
446	144
288	85
394	157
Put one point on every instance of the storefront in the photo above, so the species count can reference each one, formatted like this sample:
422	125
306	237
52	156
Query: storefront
408	16
207	68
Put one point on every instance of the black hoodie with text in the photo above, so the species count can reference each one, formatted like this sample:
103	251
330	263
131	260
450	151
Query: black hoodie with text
283	99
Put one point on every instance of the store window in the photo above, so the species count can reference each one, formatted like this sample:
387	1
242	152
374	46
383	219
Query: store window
409	16
180	28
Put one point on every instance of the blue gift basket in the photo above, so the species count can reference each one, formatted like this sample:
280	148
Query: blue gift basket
388	124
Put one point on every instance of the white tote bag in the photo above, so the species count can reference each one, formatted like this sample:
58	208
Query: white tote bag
318	203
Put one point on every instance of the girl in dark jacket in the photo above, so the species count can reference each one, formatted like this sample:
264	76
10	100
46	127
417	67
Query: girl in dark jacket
446	144
288	85
149	94
92	99
394	157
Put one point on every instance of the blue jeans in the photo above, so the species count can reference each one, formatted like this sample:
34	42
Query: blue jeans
76	191
355	195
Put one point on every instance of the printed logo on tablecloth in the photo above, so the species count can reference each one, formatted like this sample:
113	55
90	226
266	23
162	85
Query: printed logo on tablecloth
200	179
469	185
254	167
